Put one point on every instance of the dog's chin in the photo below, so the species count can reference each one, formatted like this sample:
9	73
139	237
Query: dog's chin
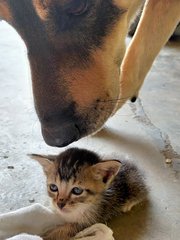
96	131
96	126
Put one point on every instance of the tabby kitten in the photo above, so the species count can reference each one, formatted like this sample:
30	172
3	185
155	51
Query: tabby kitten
86	190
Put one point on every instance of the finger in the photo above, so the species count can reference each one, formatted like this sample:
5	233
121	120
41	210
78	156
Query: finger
99	229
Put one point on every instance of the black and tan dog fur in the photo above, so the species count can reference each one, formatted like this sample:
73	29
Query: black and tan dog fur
76	49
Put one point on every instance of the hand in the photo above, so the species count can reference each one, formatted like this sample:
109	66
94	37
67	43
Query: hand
95	232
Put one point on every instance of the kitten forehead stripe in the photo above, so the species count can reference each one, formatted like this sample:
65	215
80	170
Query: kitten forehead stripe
71	161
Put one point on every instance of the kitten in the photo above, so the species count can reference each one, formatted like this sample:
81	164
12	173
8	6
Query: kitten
87	190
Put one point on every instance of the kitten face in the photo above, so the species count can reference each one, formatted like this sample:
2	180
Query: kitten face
76	196
76	180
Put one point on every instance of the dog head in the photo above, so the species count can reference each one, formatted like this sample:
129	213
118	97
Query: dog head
75	48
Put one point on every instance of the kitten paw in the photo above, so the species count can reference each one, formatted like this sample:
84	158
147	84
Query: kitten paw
95	232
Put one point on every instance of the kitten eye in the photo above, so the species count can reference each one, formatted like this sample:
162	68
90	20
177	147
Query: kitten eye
53	188
77	7
77	191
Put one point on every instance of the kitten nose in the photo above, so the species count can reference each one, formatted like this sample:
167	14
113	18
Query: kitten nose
61	205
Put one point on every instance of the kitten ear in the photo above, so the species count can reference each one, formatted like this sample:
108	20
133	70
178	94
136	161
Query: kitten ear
47	162
106	170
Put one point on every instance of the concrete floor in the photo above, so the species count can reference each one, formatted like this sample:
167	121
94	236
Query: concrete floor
148	132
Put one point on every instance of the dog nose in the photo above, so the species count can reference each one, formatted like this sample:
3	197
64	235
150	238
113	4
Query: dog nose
61	136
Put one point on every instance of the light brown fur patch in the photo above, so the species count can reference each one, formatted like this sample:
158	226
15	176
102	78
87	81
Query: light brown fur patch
4	11
40	9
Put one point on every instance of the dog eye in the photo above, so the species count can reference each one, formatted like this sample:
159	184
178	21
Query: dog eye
77	7
77	191
53	187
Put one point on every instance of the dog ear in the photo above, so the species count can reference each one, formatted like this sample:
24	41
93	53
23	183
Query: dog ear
41	7
106	170
47	162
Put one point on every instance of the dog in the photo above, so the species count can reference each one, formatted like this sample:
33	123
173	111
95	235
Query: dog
81	71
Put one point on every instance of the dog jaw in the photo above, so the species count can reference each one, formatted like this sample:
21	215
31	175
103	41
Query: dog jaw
75	62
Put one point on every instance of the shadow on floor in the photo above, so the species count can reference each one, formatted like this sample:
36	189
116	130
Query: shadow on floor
132	225
134	142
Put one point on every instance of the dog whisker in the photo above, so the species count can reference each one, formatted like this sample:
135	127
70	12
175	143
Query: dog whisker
114	100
